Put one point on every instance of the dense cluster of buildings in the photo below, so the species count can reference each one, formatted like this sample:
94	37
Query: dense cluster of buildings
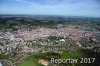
26	40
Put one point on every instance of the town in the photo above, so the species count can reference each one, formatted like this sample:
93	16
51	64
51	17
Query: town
19	41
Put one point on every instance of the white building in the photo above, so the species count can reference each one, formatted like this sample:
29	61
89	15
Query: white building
0	64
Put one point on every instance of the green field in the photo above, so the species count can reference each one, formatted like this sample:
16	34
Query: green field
33	59
30	61
27	63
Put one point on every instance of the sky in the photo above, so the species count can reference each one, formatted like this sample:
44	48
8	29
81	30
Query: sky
51	7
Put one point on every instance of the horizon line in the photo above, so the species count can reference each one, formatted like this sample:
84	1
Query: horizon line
49	15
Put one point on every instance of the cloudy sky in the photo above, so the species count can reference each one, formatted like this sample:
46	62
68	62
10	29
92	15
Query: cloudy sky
51	7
